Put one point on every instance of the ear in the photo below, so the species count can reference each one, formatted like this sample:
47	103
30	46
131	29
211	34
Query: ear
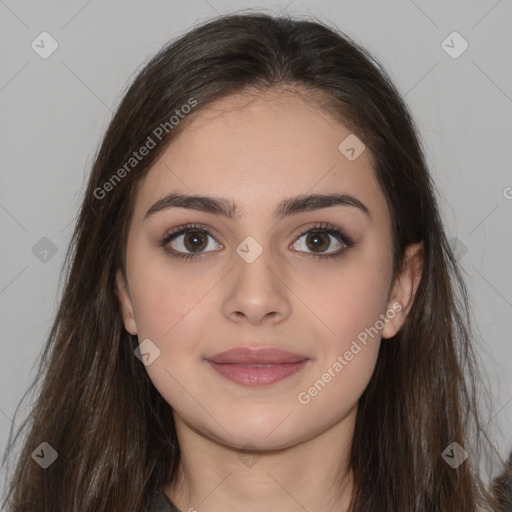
126	304
404	288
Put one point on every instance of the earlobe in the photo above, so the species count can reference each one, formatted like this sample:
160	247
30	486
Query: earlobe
126	304
404	290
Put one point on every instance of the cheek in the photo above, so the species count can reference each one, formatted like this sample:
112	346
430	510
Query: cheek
165	292
171	313
351	300
170	309
351	306
335	391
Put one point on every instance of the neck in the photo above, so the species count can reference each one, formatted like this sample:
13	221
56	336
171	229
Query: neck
311	475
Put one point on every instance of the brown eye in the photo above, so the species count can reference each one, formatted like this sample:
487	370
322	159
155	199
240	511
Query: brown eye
192	241
195	240
315	240
318	241
189	241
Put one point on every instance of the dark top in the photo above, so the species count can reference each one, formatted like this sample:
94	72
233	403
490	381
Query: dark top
161	503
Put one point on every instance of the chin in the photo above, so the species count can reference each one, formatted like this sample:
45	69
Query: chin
274	432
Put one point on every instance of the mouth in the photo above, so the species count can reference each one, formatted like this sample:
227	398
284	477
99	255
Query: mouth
257	367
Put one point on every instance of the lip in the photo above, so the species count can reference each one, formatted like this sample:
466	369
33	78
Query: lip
257	367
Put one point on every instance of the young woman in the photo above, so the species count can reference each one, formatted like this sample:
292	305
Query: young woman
261	309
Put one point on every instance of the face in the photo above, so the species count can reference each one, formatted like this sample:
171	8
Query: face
315	282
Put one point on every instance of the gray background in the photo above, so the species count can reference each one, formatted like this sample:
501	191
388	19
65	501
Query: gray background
55	110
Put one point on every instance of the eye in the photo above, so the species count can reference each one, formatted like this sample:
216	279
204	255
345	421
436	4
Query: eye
194	238
318	239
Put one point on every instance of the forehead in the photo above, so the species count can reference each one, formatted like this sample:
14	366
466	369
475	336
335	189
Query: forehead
258	148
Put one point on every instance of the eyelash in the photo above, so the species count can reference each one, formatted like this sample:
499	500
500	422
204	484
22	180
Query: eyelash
325	227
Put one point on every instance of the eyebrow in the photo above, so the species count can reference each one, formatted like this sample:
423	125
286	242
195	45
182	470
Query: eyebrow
230	210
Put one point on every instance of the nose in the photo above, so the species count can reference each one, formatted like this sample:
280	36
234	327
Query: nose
257	291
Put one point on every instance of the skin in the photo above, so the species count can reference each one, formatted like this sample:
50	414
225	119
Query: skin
258	150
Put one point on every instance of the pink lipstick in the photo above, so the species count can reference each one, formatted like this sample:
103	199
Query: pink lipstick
257	367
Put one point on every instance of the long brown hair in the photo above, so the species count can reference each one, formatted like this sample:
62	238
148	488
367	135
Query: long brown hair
113	432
